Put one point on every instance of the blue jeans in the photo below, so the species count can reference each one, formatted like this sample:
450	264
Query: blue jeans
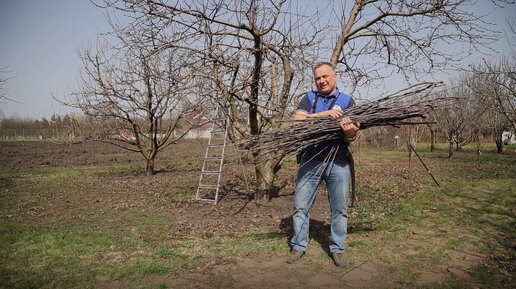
337	176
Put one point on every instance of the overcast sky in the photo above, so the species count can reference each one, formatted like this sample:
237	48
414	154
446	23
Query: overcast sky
39	41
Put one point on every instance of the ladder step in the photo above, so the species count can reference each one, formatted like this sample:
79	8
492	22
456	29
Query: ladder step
215	145
207	186
213	201
217	131
210	172
213	158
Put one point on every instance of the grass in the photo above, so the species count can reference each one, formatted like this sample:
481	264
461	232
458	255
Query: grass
475	217
77	247
33	257
472	147
76	257
472	211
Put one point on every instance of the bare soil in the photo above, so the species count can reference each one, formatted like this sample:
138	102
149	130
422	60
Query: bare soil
235	212
20	155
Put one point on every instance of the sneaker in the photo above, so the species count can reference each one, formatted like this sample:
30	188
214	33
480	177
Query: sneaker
295	256
339	259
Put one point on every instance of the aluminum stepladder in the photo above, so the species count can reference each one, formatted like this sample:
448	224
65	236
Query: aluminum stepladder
209	180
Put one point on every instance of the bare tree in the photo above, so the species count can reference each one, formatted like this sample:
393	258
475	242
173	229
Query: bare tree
134	97
462	120
494	86
253	56
413	38
264	81
245	54
497	124
494	83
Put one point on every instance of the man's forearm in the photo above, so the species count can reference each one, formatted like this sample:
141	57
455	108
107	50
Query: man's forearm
299	115
302	115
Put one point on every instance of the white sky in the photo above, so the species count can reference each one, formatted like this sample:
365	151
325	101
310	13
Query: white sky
39	41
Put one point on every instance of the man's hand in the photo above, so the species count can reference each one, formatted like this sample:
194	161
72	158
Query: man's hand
349	128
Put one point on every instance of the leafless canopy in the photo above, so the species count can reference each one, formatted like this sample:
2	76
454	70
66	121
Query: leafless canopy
379	39
134	96
495	85
249	56
459	121
4	80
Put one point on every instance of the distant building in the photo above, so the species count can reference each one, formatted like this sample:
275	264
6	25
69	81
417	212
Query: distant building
508	138
200	126
198	132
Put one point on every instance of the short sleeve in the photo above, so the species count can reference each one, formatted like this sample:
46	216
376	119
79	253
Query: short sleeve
351	102
304	104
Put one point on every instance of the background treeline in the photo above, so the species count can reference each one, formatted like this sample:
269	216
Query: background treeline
57	127
71	127
76	127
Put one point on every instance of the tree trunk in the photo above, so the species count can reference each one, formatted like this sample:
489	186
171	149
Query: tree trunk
432	139
265	174
498	141
450	149
499	147
150	167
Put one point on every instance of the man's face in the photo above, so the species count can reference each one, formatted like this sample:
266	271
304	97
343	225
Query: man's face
325	79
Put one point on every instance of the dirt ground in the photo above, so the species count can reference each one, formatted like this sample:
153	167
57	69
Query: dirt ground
260	271
20	155
183	175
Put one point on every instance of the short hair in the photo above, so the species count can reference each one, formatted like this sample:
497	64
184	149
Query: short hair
323	64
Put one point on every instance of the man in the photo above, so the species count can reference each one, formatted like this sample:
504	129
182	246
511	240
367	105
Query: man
314	166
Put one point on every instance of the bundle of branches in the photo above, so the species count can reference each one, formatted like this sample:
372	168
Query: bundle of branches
391	110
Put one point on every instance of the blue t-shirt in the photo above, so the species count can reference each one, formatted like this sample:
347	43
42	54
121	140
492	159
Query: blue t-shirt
308	104
314	102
